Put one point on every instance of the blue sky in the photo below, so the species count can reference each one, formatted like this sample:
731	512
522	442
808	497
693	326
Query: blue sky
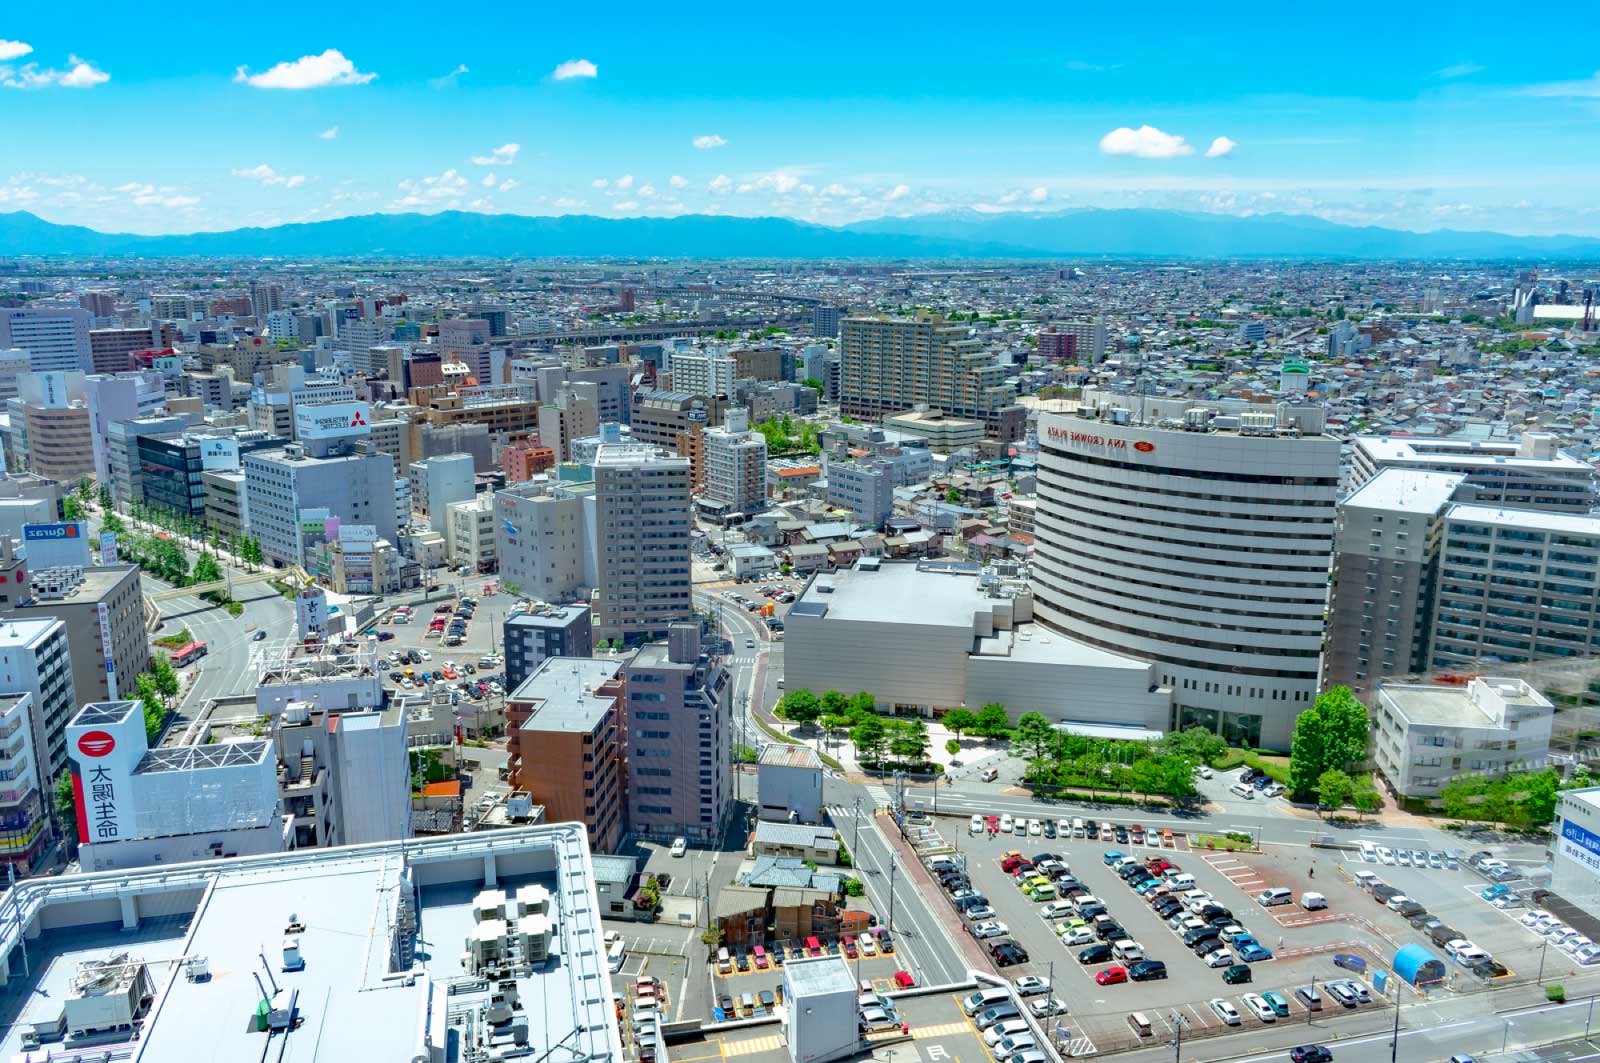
167	118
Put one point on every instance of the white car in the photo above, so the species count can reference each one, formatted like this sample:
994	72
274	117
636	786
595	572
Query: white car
1035	827
1220	958
1081	936
1470	955
1556	931
1456	945
1225	1011
1369	852
1001	1030
1043	1009
1532	916
1058	910
1005	823
1064	828
867	946
991	928
1587	954
1031	985
979	913
1574	945
1259	1007
1205	771
1402	857
1385	855
1507	902
680	846
975	825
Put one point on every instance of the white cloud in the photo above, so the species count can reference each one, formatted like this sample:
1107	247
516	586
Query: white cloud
489	180
720	184
678	182
837	189
449	80
13	49
575	68
331	133
567	203
504	155
599	182
82	74
705	143
1459	70
307	72
1146	142
897	192
1586	88
624	182
1220	147
625	205
647	191
268	176
777	181
1039	195
508	184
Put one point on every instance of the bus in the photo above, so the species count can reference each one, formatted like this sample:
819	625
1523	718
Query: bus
188	654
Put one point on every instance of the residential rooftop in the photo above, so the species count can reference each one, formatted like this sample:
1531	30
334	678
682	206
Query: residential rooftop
1407	490
1528	519
564	688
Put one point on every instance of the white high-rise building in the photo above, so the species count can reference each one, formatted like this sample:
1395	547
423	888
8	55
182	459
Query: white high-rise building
1532	473
55	337
1195	536
544	537
285	489
703	372
643	521
34	658
735	467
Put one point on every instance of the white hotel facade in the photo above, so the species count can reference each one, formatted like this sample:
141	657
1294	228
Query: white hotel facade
1197	537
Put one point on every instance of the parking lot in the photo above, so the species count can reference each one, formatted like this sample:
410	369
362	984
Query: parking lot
478	710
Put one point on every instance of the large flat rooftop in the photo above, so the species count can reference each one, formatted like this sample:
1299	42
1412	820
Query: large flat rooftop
1407	490
1526	519
904	593
564	688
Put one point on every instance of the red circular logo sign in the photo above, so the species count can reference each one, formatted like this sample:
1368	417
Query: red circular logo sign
96	744
1143	447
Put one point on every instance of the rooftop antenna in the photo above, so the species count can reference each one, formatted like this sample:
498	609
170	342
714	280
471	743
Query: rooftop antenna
265	966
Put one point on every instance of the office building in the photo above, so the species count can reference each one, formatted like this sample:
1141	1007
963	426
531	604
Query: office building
437	482
545	631
679	781
102	609
469	533
1203	549
574	413
642	525
1252	332
467	340
1515	585
1074	342
34	658
564	744
116	397
227	505
287	490
1531	473
789	784
1385	560
735	468
55	337
895	364
942	434
25	829
52	408
123	463
360	564
703	371
98	303
660	417
823	364
521	462
825	319
13	364
545	539
136	806
359	952
762	363
110	348
925	637
865	488
1427	735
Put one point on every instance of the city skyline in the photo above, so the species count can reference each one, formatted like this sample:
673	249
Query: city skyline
1402	121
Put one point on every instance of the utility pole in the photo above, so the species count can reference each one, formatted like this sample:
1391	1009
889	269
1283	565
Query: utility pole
891	890
1394	1043
855	845
1542	950
1178	1023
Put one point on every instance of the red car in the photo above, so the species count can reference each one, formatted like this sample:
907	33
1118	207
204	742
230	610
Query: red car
904	980
1111	976
1010	864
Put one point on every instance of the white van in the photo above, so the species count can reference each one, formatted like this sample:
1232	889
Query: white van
615	954
1239	789
985	998
724	961
1312	901
1275	896
1077	827
1181	882
1139	1024
1127	950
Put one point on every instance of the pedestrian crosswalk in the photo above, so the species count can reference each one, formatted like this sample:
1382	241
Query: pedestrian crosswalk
838	812
770	1043
880	796
943	1029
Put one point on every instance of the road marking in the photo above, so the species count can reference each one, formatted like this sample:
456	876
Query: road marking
944	1029
754	1044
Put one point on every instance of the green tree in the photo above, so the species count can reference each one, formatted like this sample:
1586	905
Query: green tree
206	569
155	709
835	702
814	384
862	704
1197	744
1535	795
72	509
66	805
952	747
801	706
112	523
952	496
1366	797
1146	776
960	721
869	738
1331	734
166	679
1091	768
910	743
1335	788
992	721
1033	736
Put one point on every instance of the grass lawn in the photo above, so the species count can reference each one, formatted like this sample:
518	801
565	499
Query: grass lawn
1271	763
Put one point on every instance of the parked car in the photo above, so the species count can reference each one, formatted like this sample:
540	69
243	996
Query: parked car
1031	985
1147	971
1237	974
1111	976
1258	1007
1225	1011
1310	1054
1095	954
1009	954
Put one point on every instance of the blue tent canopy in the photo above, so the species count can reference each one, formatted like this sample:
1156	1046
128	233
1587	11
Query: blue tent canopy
1418	966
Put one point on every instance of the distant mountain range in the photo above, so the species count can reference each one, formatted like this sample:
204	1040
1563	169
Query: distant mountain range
957	235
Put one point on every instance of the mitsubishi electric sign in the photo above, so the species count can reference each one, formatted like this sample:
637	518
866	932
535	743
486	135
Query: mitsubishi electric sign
333	420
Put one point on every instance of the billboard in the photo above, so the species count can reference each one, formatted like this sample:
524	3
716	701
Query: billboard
219	454
358	533
108	548
104	753
108	649
1581	845
53	545
332	420
311	613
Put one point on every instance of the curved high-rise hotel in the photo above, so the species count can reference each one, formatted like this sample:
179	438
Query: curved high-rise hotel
1196	536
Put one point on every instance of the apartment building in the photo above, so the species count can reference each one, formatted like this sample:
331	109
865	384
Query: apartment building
1427	735
894	364
55	337
1385	561
1531	473
642	526
109	348
542	632
564	744
703	371
34	657
1074	342
545	538
679	781
102	609
24	816
469	533
735	468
